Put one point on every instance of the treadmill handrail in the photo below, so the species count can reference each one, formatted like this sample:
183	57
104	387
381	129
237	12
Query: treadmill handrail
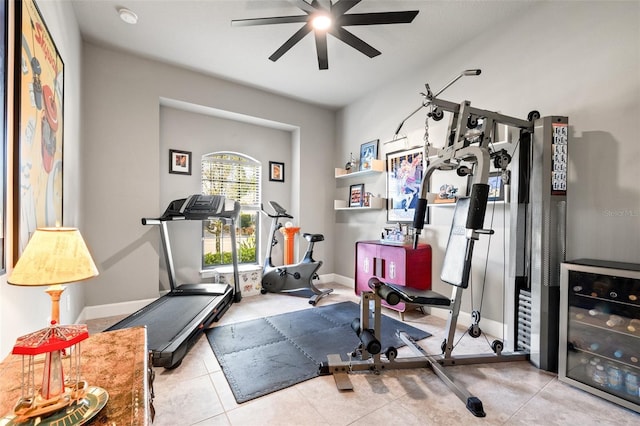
171	214
151	221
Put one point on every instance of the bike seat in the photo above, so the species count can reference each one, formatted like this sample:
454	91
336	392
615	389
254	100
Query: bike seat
313	238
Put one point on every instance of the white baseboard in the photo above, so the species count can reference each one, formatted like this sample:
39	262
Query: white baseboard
111	309
338	279
491	327
127	308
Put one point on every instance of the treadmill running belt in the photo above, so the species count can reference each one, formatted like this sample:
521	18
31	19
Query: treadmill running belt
168	321
168	317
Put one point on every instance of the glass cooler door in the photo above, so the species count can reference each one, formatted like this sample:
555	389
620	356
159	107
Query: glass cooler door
600	329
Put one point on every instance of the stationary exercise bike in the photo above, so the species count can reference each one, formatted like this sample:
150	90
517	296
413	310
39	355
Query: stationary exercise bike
296	279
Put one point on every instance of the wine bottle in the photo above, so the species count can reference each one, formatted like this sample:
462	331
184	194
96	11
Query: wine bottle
633	291
601	287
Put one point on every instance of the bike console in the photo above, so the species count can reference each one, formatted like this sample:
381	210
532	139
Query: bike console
280	211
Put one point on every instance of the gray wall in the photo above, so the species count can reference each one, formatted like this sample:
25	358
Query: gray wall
126	160
579	59
203	133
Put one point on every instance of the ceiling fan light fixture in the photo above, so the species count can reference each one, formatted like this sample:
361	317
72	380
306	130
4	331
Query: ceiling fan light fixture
128	16
321	22
329	16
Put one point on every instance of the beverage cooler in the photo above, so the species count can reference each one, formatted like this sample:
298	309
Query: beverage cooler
600	329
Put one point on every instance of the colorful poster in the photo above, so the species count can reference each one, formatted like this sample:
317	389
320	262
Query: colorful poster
39	133
404	177
3	119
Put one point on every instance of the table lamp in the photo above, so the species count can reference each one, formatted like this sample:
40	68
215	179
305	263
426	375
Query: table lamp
53	256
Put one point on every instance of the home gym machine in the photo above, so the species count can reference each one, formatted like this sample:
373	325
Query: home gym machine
468	151
176	320
296	279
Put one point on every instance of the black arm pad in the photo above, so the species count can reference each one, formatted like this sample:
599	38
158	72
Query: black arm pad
477	206
418	217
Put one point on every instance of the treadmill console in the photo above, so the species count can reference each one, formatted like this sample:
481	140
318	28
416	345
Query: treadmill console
200	207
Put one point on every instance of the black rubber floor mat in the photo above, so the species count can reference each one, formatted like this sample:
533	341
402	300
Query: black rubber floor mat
269	354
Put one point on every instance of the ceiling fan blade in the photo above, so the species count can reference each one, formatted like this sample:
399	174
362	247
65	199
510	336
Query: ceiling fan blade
337	9
295	38
269	21
301	4
355	42
377	18
322	5
341	6
321	48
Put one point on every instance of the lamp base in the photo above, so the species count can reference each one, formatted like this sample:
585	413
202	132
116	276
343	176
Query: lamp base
38	406
79	412
55	291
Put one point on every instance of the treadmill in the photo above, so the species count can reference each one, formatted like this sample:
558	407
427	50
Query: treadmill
176	320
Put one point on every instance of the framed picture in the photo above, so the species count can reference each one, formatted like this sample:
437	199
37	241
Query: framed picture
276	171
496	187
179	162
39	124
405	171
356	195
3	120
368	152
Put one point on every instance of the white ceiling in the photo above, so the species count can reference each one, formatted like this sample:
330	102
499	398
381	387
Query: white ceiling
197	35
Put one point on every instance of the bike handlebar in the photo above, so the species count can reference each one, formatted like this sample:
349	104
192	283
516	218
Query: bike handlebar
280	211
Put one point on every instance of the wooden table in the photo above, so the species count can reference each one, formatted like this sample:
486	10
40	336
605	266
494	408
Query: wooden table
116	361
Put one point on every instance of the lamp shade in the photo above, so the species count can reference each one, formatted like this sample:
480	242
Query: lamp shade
53	256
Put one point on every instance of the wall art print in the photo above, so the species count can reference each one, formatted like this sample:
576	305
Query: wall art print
179	162
496	186
3	119
368	153
276	171
39	124
356	195
405	171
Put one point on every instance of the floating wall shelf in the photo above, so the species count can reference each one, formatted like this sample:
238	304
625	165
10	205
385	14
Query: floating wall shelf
375	203
377	166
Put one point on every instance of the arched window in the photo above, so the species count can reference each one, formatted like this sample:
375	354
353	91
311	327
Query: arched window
237	177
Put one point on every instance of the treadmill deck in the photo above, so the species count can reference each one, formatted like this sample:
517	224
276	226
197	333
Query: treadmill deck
175	321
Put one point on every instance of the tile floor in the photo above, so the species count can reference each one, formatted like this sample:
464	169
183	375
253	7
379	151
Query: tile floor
512	393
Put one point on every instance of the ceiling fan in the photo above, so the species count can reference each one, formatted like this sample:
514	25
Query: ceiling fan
325	16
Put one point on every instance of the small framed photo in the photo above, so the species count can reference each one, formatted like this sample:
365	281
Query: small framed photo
368	153
276	171
496	187
356	195
179	162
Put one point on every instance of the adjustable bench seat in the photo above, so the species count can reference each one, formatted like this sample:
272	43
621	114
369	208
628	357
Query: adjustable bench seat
397	293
